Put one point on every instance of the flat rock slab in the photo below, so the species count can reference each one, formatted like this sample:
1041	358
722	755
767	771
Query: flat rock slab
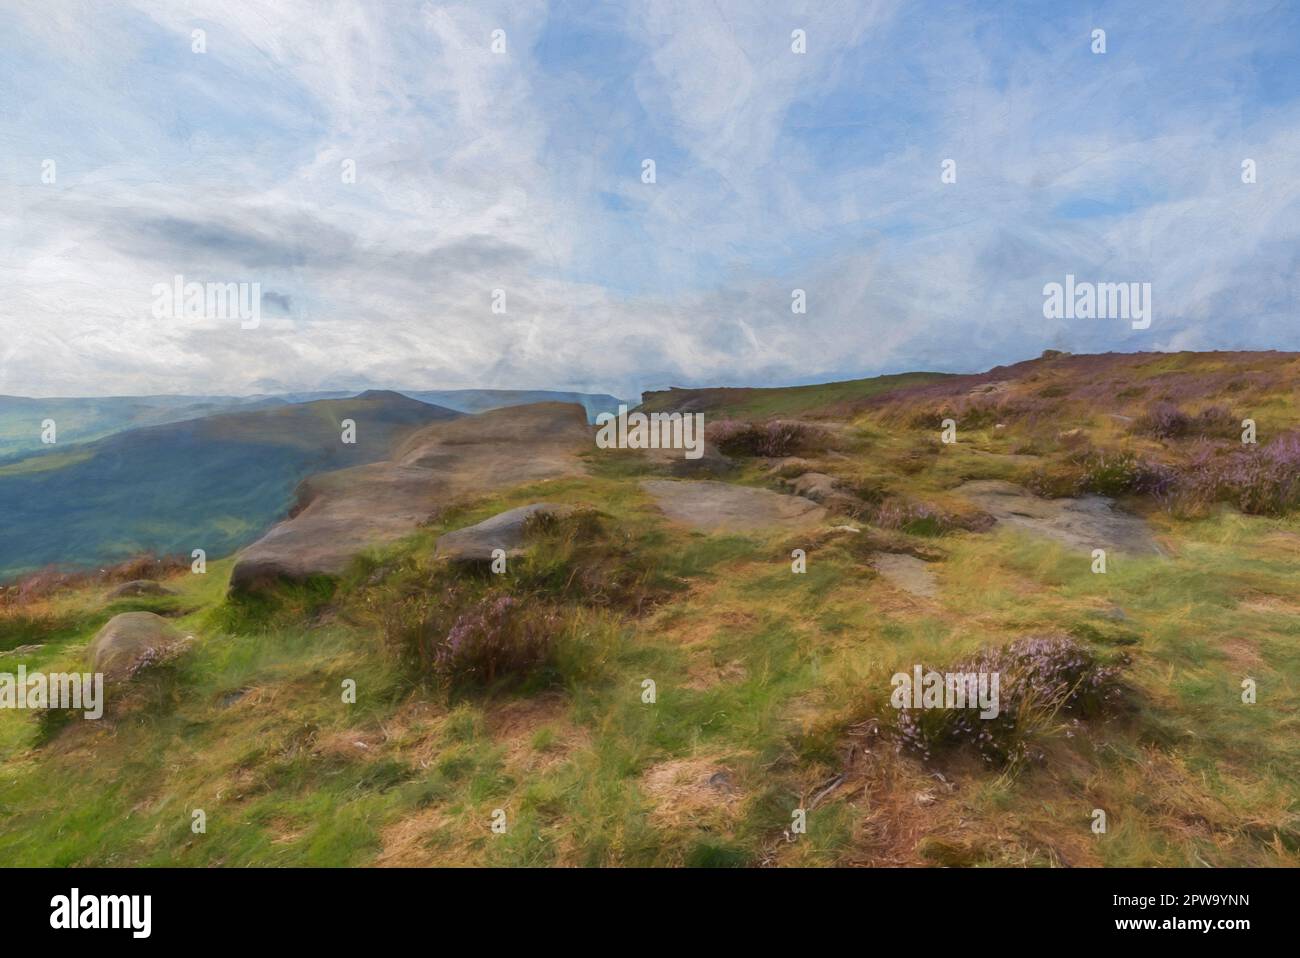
724	507
1086	523
131	640
908	573
503	531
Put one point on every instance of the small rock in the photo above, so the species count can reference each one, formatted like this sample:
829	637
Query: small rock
139	587
816	486
722	781
789	466
503	531
132	640
23	649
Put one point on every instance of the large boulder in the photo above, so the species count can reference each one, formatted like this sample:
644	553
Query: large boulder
340	514
132	640
503	531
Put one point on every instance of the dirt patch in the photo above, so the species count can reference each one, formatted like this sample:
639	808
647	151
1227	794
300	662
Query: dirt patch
1269	605
535	733
705	674
1242	653
705	611
695	790
1287	540
909	813
405	841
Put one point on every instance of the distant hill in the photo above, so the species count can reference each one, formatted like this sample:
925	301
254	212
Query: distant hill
213	483
758	402
1059	386
86	419
481	400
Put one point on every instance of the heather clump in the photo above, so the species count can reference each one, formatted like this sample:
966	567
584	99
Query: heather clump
967	415
1258	480
583	558
457	637
460	624
775	439
1104	473
1166	420
1045	684
497	637
989	411
924	519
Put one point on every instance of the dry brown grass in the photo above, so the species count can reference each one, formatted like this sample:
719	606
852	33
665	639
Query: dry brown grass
692	792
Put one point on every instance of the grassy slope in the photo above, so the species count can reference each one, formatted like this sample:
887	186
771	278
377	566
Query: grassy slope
84	420
781	401
762	676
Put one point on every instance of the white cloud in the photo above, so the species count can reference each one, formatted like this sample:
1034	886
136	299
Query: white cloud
478	171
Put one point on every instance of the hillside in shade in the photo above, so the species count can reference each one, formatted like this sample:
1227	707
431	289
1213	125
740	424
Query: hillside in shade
212	483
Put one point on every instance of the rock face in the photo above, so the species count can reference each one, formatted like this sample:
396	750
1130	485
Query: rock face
724	507
138	587
1085	523
341	513
503	531
130	640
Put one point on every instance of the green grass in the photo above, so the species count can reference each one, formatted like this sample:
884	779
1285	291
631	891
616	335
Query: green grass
771	689
758	403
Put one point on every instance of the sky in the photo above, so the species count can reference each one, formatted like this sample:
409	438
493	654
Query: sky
128	157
